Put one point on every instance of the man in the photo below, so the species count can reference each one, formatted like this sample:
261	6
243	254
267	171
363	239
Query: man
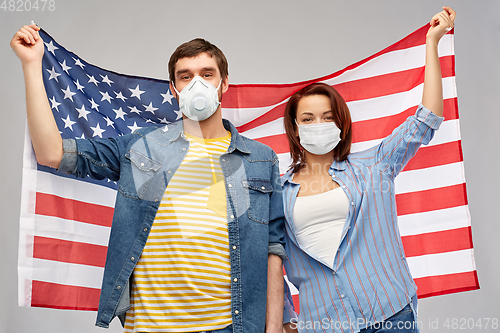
197	237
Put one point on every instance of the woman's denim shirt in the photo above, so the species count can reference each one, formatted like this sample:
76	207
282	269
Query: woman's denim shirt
143	163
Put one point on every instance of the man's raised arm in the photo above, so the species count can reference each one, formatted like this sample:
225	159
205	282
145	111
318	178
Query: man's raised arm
45	137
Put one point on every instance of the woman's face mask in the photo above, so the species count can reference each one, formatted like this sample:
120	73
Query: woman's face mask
320	138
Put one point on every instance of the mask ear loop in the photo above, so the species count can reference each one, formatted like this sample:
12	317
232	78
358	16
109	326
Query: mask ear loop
173	85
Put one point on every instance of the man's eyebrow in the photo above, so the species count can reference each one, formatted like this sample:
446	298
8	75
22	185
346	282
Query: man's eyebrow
182	71
204	69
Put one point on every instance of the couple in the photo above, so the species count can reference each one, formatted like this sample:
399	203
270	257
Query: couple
199	205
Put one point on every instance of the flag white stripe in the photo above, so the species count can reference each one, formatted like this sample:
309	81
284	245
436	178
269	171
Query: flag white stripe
75	189
429	178
448	132
67	273
69	230
442	263
434	221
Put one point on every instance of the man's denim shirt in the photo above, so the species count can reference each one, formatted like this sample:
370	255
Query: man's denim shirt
144	162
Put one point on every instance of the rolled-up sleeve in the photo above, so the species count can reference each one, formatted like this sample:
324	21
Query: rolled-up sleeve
277	215
98	159
69	159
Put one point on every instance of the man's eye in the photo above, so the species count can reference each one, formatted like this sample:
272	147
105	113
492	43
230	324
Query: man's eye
207	75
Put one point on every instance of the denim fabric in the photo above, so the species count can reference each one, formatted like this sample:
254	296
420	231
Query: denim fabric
402	322
144	162
370	280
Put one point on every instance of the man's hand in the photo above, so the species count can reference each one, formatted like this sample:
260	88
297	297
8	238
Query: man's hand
28	45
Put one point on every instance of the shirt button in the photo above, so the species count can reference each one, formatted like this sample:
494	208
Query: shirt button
343	186
145	229
223	160
169	171
236	311
342	295
142	164
333	176
234	247
119	287
263	187
229	185
156	200
232	216
352	203
184	149
133	258
235	280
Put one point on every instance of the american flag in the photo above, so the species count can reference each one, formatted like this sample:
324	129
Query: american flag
65	222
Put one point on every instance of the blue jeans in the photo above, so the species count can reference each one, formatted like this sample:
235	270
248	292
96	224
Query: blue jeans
402	322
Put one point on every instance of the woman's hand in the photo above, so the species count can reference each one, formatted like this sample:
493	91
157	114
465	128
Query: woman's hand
441	23
28	45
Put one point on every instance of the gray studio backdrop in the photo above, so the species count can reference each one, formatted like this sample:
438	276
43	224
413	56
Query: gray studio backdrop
265	42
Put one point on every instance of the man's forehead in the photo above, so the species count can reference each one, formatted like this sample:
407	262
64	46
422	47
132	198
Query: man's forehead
202	61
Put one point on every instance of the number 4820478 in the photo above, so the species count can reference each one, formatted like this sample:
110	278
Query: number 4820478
28	5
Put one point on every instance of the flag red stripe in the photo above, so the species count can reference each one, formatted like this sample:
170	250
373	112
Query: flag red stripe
438	242
68	251
355	90
53	205
446	284
296	303
58	296
252	95
388	84
432	156
429	200
372	129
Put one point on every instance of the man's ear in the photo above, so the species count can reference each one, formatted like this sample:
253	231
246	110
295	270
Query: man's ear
225	84
172	90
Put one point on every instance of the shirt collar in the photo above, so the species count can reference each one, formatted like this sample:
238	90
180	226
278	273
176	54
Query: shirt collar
339	165
237	141
176	130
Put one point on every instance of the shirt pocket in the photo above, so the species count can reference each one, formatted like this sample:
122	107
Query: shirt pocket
143	170
258	196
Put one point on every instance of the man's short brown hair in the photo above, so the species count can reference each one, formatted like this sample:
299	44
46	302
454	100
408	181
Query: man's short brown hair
192	49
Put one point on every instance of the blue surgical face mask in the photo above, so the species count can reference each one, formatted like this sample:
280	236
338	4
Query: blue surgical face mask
199	99
319	139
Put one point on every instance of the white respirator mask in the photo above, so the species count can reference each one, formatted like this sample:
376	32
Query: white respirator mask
199	99
319	139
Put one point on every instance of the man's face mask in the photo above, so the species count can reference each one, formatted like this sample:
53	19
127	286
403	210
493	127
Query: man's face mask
199	99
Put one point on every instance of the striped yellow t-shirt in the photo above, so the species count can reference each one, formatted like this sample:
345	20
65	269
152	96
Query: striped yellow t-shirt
182	280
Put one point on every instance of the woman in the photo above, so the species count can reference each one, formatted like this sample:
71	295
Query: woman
344	250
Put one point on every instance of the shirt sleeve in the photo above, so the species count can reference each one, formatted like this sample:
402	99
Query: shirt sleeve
97	159
397	149
277	217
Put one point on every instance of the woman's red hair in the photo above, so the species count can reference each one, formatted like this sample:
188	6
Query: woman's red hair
341	117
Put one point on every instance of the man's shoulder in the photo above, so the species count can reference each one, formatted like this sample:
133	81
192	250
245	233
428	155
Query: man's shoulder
258	148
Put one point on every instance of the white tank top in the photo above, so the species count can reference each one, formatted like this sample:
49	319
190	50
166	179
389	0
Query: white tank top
318	222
